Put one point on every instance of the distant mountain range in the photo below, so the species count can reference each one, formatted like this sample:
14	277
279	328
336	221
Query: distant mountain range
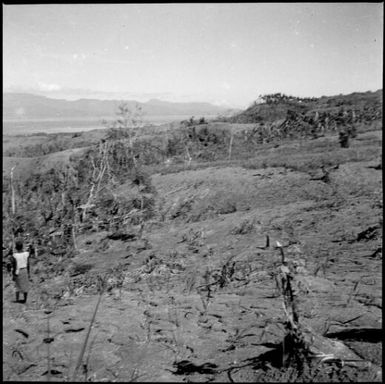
24	106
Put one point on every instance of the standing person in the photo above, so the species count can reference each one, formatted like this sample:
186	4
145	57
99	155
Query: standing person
21	271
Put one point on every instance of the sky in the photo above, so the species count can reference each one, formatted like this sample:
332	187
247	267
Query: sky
224	53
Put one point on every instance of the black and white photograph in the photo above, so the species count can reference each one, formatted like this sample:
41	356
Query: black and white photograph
192	192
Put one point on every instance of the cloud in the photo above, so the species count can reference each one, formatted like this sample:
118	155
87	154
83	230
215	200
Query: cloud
220	102
226	85
48	87
20	111
79	57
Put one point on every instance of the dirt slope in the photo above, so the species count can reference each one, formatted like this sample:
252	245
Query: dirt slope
164	314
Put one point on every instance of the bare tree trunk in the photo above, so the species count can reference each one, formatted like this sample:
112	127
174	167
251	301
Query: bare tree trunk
97	177
132	150
188	155
35	249
74	236
231	144
13	205
88	203
294	334
13	193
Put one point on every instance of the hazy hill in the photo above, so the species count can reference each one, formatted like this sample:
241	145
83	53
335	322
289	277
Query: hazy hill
277	108
28	106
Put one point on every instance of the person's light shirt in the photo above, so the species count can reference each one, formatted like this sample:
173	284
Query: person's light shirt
21	260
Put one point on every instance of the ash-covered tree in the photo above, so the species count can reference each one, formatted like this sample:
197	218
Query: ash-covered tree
125	126
113	162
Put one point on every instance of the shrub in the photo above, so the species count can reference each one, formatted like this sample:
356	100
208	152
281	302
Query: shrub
80	269
246	226
344	139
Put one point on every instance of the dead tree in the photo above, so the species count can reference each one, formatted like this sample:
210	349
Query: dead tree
231	143
188	156
13	205
128	120
294	344
98	173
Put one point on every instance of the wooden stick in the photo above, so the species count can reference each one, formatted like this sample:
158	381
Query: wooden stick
48	351
86	338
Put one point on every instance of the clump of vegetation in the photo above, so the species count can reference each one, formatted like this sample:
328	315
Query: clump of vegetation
80	269
82	195
275	98
331	113
191	122
246	226
51	144
345	135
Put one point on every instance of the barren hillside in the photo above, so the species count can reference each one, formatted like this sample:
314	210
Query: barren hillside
182	237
